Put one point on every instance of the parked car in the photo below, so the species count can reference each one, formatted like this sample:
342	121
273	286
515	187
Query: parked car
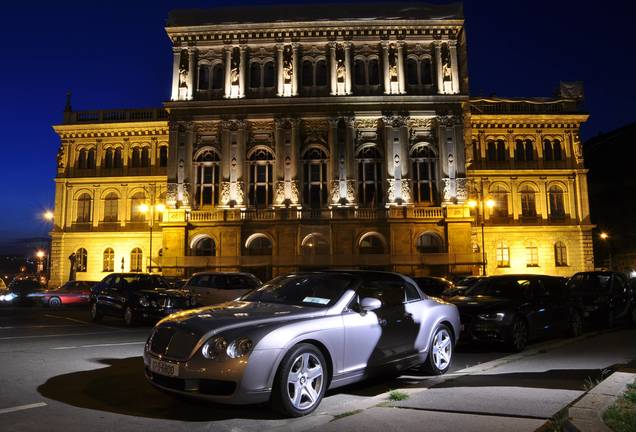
433	286
136	297
604	296
461	285
514	309
285	341
72	292
21	291
175	281
209	288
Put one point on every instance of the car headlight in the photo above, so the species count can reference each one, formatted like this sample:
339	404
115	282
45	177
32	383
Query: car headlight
143	300
8	297
240	347
493	316
214	347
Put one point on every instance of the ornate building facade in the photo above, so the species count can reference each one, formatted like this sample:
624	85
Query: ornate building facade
302	143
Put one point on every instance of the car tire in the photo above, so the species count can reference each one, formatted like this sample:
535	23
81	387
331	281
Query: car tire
96	315
575	324
129	317
301	381
440	351
55	302
518	337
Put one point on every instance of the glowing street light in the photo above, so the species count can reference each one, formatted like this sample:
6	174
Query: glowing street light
40	254
48	215
606	238
145	208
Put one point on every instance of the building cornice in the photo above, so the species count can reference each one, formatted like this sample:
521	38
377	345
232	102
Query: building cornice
104	130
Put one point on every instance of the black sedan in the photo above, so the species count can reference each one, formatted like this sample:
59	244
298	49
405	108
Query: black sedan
136	297
21	292
517	308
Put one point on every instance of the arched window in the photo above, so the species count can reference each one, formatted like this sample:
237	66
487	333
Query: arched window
135	159
359	69
205	247
424	174
117	160
369	177
269	75
84	207
145	157
374	72
111	207
108	260
426	75
315	186
555	198
411	72
321	73
259	245
366	74
204	77
491	151
136	260
81	159
547	150
256	78
532	254
429	243
524	150
371	244
261	178
314	244
163	156
500	197
528	201
558	151
218	76
503	254
90	159
501	150
207	173
136	215
308	73
560	254
418	71
108	158
81	260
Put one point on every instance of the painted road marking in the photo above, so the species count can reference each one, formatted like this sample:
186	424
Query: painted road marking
37	326
55	335
98	345
21	408
67	318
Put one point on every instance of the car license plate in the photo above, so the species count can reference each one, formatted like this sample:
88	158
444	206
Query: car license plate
164	368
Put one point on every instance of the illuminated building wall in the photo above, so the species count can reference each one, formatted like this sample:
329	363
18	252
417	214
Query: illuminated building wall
310	144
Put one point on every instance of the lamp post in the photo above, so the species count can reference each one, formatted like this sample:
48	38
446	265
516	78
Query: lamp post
480	204
606	238
150	209
48	216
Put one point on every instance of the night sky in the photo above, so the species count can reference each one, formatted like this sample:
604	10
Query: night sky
116	54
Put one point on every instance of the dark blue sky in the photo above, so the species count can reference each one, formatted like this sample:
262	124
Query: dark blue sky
115	54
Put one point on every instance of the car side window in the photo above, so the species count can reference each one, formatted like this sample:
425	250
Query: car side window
390	293
217	281
199	281
619	284
411	293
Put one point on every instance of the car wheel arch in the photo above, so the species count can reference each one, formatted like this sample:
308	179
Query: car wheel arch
319	345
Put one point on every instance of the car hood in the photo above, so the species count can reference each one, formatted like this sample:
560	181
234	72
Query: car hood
478	304
238	314
163	292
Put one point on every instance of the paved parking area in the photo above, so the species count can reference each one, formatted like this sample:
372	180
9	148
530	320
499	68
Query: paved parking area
60	371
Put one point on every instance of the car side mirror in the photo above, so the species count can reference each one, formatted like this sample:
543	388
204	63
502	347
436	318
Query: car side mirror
368	304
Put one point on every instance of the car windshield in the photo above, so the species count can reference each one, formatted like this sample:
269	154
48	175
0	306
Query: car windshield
302	290
590	282
500	287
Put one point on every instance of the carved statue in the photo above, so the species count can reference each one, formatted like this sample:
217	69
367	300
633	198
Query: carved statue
288	68
234	74
71	275
393	69
184	69
60	157
340	71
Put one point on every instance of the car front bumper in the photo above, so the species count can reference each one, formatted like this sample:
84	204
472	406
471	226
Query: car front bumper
231	381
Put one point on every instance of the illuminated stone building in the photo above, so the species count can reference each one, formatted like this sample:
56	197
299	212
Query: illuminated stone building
295	140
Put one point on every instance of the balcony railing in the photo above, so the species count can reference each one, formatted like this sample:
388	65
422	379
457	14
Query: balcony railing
116	116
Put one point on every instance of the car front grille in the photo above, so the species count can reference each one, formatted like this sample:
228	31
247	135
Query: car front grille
202	386
173	342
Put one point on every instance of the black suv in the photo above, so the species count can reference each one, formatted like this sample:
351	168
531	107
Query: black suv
136	297
517	308
604	296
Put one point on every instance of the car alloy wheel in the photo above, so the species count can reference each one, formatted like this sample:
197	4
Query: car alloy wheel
301	381
440	352
519	335
55	302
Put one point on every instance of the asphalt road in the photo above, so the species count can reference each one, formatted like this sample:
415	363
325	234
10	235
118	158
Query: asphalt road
60	372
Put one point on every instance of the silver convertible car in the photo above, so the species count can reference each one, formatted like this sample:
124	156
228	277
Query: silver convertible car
298	335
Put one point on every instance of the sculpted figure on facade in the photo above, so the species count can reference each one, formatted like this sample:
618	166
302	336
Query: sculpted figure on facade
288	65
184	70
393	64
60	157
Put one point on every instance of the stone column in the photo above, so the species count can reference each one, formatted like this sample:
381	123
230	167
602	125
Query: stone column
348	150
438	65
191	73
228	71
295	69
385	67
279	69
347	62
176	55
400	66
242	71
452	47
332	68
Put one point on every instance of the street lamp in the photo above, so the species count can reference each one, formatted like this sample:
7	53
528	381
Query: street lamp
150	209
605	237
490	203
48	215
40	254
